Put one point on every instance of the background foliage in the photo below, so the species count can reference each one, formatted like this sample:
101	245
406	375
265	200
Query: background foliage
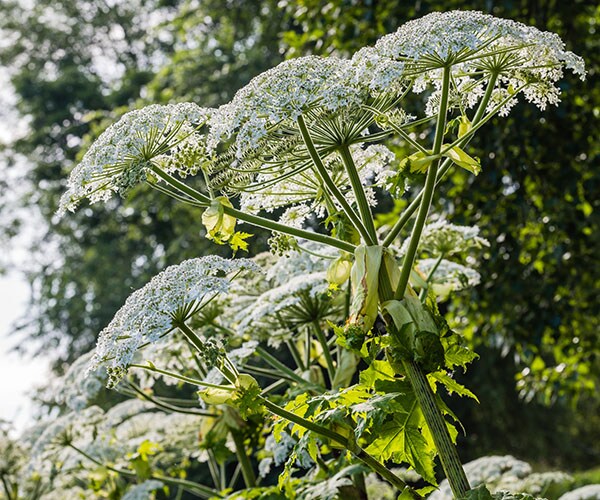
535	315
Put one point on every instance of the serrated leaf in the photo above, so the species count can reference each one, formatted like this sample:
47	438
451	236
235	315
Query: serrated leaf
238	241
378	370
478	493
401	440
457	355
452	386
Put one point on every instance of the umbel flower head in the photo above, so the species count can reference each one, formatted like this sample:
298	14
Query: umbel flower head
278	96
123	154
443	238
477	44
257	132
170	298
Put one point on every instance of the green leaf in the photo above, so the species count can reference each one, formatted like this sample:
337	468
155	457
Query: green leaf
479	493
238	241
463	160
401	440
365	282
220	227
141	467
379	370
417	163
451	385
348	362
456	354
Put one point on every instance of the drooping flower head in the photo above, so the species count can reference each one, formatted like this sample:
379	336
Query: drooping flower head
294	292
478	45
172	296
446	276
124	153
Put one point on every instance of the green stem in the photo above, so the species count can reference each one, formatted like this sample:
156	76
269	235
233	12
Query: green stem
213	469
325	347
265	372
427	190
433	269
6	488
359	192
412	207
183	378
278	365
255	220
166	406
191	487
446	450
234	476
326	179
243	459
439	431
189	334
295	354
351	446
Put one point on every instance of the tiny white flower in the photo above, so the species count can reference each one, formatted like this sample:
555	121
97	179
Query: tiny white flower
178	291
123	154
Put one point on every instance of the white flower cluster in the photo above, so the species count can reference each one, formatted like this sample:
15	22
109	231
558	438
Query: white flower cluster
471	42
444	238
178	291
486	470
76	390
295	286
588	492
448	276
270	315
53	440
280	95
143	491
110	437
506	473
120	158
535	484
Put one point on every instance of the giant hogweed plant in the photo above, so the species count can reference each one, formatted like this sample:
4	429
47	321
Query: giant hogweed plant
333	346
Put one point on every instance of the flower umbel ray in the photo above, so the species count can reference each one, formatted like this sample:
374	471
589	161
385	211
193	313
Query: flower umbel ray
166	301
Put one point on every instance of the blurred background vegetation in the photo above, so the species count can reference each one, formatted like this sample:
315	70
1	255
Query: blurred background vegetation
76	65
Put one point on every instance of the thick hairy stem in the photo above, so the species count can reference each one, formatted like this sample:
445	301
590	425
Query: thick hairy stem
326	179
356	450
437	425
